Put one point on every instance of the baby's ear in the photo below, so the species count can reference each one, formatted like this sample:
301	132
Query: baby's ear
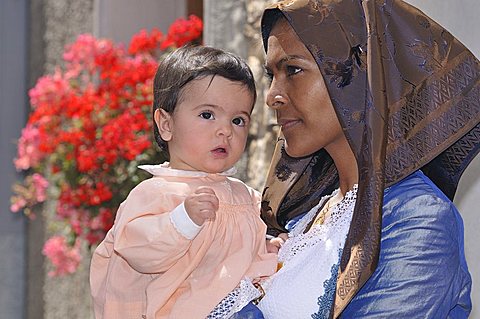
164	124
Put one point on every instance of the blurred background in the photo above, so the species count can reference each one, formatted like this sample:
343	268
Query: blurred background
33	36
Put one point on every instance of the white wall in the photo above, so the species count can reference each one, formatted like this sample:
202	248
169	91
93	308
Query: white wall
461	18
119	19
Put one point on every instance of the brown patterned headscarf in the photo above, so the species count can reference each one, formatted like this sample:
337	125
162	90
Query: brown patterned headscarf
407	94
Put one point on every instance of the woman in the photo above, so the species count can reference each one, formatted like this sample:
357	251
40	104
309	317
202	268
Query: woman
379	111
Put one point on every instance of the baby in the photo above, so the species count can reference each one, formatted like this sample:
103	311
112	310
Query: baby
189	242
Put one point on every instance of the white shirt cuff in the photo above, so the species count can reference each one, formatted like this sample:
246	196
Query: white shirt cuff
182	222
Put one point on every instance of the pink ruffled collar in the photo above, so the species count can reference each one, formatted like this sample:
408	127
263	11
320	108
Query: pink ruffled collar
165	170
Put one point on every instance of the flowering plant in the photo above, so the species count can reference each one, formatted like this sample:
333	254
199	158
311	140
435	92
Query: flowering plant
89	128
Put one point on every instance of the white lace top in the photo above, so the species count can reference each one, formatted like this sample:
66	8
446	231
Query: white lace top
304	287
235	300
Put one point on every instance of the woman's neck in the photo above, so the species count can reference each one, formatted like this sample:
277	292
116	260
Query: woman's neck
346	165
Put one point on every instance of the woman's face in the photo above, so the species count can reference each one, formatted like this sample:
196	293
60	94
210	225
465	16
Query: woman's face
299	96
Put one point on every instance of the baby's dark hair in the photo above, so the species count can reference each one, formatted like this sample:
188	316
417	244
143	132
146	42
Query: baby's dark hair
190	63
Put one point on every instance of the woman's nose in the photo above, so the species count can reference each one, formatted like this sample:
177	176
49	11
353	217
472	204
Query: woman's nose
275	99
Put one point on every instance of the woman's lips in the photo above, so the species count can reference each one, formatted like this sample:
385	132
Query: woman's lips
287	124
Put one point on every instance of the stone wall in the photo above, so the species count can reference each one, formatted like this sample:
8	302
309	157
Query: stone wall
54	24
264	131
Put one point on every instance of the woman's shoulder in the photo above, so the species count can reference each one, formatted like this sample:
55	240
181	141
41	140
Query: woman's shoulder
416	196
413	186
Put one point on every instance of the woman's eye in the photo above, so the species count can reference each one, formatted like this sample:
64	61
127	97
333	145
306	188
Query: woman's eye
207	115
292	70
269	76
239	121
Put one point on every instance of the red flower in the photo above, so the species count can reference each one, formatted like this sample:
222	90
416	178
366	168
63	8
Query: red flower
143	42
183	31
86	161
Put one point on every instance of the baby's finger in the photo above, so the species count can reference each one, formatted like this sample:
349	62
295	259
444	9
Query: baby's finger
208	205
209	199
208	214
204	190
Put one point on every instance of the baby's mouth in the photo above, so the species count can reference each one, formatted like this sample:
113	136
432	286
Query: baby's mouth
220	150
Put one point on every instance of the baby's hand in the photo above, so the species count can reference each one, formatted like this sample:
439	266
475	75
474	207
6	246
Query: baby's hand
201	205
274	244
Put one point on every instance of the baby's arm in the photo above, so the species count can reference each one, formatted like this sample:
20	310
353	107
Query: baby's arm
153	241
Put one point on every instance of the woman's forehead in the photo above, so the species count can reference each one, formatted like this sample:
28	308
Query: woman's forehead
285	46
282	30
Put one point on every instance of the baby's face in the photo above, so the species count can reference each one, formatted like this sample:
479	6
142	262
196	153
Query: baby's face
208	129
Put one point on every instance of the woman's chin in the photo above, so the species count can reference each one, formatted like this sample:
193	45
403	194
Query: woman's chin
295	152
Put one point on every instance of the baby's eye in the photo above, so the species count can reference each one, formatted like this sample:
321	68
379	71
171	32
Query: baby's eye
207	115
292	70
240	121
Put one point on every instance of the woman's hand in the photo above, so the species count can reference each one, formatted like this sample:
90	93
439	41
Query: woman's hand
274	244
202	205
